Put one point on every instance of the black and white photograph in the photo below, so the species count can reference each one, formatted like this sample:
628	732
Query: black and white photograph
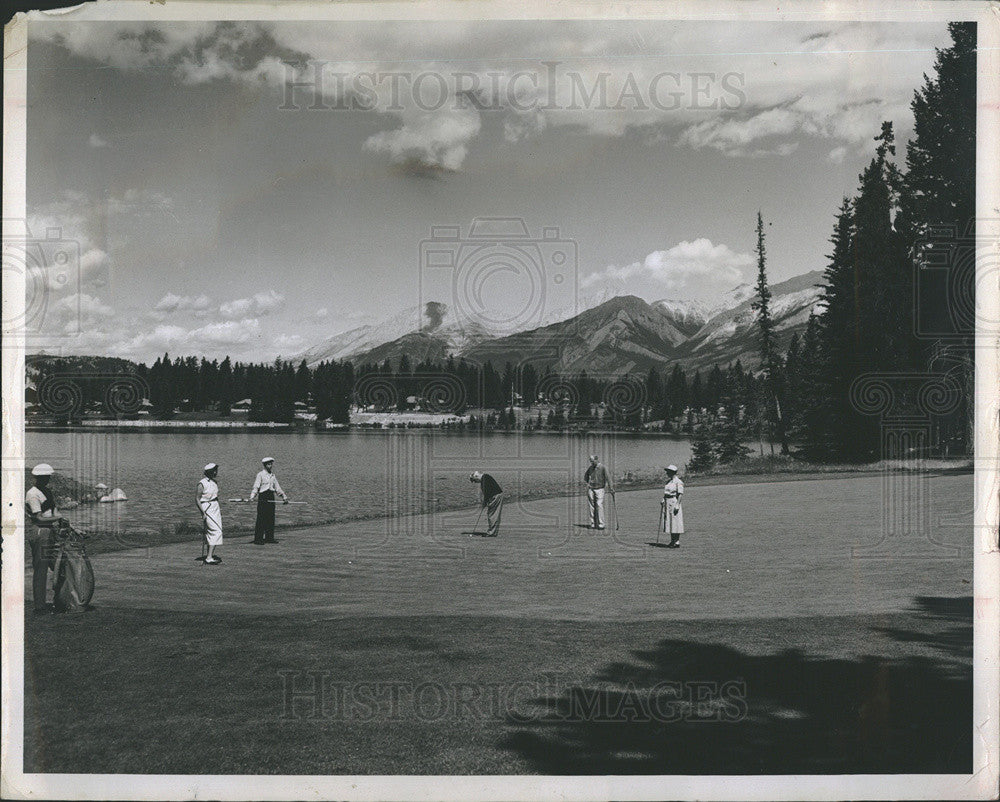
441	400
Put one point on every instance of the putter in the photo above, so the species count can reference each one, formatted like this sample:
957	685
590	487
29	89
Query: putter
475	529
614	502
660	524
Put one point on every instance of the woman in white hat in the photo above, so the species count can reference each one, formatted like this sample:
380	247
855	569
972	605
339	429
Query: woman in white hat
208	503
265	487
40	510
673	515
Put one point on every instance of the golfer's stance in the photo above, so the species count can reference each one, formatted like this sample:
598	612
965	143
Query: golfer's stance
265	487
598	482
208	503
492	500
673	516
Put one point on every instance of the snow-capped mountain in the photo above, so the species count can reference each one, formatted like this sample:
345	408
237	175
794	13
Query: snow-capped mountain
435	322
601	332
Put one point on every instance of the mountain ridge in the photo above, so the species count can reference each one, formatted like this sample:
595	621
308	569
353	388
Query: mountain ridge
620	334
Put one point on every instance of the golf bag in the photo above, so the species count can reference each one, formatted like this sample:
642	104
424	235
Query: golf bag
73	583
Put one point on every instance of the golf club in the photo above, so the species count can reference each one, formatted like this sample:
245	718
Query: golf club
614	503
475	529
660	524
270	501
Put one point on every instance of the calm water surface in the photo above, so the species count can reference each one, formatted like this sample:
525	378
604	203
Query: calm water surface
341	476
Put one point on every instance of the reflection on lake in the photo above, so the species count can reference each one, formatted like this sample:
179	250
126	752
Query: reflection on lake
341	476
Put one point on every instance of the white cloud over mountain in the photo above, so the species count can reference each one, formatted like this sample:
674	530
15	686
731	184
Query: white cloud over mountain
676	267
261	303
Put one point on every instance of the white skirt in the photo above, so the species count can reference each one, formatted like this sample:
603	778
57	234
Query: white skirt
673	524
213	523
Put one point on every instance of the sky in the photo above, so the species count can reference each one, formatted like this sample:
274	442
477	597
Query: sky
248	189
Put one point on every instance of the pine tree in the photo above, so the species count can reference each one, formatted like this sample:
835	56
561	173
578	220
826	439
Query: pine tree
771	411
703	449
936	219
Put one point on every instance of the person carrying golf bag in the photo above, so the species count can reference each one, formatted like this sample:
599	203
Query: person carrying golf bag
672	516
492	496
73	586
41	516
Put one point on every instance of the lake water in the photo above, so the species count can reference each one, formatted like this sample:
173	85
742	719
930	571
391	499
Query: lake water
341	476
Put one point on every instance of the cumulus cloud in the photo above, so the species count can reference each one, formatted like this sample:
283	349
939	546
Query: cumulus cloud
261	303
677	266
837	154
292	343
429	139
171	303
72	314
96	141
835	82
211	339
76	226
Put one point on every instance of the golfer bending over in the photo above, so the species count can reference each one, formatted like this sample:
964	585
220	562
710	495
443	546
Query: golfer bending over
673	516
492	500
208	503
598	481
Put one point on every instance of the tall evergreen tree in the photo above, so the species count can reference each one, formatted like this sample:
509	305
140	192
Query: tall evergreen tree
770	367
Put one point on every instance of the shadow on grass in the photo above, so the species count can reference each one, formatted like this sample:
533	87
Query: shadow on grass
773	714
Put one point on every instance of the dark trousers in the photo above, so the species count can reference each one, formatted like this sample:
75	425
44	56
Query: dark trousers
494	507
42	546
263	531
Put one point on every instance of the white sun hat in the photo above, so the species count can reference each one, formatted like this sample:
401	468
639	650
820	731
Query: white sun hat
671	468
266	460
42	469
211	466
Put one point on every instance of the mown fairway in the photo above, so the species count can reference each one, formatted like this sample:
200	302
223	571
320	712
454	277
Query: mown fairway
772	641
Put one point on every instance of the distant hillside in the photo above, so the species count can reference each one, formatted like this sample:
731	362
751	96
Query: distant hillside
609	335
620	335
731	334
39	363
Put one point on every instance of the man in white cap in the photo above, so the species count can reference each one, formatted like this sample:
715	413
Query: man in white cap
208	503
265	487
492	498
42	515
598	482
673	515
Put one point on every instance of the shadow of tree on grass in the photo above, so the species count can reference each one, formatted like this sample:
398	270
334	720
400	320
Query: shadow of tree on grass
685	707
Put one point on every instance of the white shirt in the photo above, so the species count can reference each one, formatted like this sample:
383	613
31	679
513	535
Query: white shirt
208	491
673	488
266	480
33	500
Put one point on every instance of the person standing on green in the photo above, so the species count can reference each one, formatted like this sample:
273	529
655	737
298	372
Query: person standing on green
265	487
492	497
598	482
42	515
673	515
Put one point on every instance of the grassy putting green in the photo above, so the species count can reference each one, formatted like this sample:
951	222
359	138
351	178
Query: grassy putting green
847	663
